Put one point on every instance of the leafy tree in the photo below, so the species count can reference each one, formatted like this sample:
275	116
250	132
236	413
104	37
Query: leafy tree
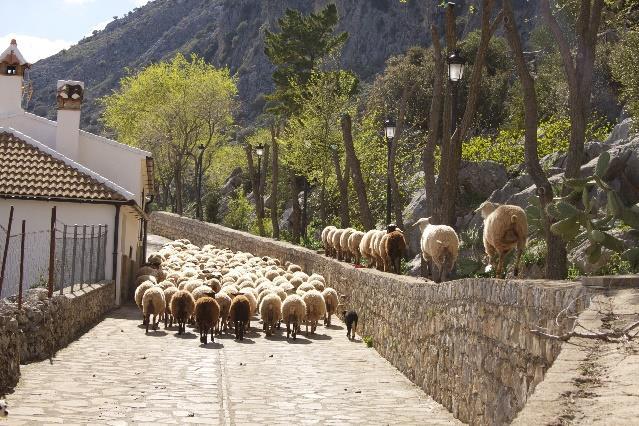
302	43
171	108
625	69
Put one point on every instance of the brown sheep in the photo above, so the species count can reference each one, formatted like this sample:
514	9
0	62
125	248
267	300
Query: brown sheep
207	314
240	314
505	228
392	248
182	307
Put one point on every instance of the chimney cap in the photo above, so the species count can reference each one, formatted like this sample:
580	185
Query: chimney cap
61	83
13	41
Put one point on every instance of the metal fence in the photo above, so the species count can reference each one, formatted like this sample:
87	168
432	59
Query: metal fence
76	255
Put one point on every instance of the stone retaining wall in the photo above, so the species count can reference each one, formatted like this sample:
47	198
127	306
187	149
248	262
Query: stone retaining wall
467	343
44	326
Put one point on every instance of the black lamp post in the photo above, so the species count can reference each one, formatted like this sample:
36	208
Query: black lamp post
456	65
389	132
259	150
200	215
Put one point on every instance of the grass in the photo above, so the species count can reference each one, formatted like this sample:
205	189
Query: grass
368	341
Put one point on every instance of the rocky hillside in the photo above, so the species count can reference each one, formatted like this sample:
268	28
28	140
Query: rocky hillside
230	33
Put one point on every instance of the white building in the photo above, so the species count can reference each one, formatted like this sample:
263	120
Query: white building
90	179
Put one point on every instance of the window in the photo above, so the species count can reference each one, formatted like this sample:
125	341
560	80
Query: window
11	70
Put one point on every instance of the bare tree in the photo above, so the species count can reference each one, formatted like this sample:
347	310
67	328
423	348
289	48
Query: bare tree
450	175
434	119
556	265
579	72
356	172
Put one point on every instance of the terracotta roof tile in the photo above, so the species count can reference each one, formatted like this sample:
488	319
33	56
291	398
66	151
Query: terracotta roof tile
27	171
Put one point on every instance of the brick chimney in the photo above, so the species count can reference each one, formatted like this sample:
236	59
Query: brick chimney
12	68
70	96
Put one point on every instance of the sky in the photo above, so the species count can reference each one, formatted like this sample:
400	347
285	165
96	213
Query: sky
44	27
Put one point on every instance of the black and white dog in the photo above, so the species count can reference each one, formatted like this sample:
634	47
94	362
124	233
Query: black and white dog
350	318
4	412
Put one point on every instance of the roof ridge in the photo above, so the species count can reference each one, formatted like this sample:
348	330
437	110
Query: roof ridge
69	162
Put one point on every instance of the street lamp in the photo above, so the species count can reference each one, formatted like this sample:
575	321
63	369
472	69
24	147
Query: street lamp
200	215
389	131
456	64
259	150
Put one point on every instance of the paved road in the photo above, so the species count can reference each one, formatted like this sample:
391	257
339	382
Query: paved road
117	375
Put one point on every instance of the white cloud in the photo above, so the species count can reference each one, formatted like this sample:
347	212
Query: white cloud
139	3
34	48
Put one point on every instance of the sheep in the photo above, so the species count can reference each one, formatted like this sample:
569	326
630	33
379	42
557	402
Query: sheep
248	292
141	278
294	268
153	303
315	308
337	236
329	242
207	314
378	260
293	313
332	300
439	245
505	228
166	284
271	312
392	248
306	287
240	314
147	270
317	284
139	294
354	241
343	243
366	247
350	318
201	291
182	307
169	292
224	301
328	246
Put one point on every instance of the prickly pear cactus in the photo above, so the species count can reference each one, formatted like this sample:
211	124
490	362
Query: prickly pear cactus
575	224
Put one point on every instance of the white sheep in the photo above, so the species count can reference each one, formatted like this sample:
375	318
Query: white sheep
366	246
343	243
271	312
505	228
224	301
337	236
439	245
139	294
153	303
328	245
315	308
168	295
332	300
293	314
354	241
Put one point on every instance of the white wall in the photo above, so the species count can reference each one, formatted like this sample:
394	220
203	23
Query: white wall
10	94
38	218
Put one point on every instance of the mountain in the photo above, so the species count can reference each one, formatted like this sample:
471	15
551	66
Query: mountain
230	33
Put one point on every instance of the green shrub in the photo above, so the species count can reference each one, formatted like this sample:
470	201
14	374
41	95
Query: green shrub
241	213
368	341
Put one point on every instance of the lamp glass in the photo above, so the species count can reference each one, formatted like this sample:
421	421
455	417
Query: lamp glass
390	131
455	71
259	150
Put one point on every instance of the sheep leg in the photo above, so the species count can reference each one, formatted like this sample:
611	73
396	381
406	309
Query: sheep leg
354	329
212	337
288	330
500	265
518	261
146	322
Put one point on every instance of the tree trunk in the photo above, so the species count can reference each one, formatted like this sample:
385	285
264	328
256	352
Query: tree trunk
395	192
342	185
255	186
556	263
450	186
296	215
322	206
445	152
579	73
275	176
434	119
178	191
356	172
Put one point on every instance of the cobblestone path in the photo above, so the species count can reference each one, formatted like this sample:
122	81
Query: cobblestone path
117	375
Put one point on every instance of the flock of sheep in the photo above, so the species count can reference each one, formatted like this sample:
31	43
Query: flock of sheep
505	228
218	289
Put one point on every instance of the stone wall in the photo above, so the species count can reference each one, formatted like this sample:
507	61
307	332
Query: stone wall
44	326
467	343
